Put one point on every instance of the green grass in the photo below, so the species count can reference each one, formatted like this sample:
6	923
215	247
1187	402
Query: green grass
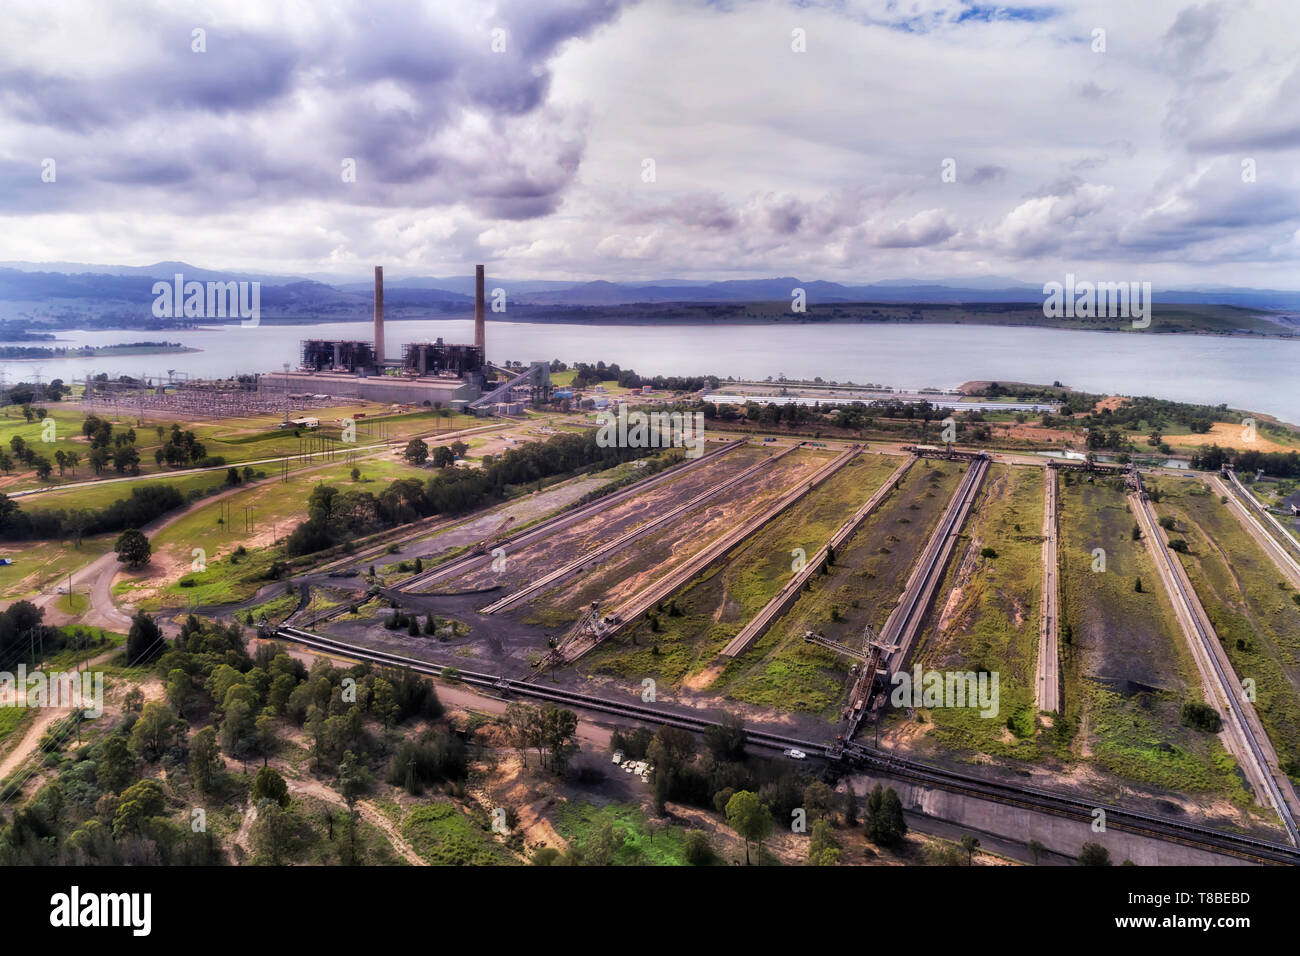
1134	742
276	609
13	720
1127	667
237	440
223	582
995	623
96	497
445	836
277	506
41	566
580	822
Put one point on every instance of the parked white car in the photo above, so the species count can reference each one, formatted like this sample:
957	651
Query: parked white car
618	756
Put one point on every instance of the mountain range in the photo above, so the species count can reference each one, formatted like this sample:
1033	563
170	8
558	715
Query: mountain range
32	290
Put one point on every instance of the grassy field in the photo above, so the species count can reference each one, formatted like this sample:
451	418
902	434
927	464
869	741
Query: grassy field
67	438
1127	668
785	672
237	440
986	614
1249	602
445	836
276	507
579	823
699	620
97	497
41	566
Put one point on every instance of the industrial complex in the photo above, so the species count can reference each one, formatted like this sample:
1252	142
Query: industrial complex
439	374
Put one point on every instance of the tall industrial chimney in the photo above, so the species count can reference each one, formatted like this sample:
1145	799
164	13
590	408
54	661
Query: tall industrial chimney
480	331
379	316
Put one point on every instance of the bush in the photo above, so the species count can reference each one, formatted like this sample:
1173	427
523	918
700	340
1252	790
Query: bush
1200	716
698	851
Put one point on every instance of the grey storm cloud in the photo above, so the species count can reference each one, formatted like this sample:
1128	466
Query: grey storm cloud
516	132
416	97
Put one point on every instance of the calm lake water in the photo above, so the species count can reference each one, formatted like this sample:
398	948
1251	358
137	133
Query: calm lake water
1258	374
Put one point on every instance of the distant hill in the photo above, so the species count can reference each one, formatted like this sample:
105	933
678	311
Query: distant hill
68	294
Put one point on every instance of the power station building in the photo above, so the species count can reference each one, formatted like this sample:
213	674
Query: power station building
434	373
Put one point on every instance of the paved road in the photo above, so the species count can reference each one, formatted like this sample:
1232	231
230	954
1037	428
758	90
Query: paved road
1047	691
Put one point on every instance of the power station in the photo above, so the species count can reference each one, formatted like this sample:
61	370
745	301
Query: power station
451	375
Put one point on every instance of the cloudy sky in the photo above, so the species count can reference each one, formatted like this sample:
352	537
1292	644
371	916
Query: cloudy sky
594	139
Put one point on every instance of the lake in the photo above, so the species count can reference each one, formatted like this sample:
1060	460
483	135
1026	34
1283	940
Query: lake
1252	373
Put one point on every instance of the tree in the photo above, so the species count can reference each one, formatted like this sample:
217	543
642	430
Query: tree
823	849
269	785
116	766
138	803
272	833
179	688
726	739
237	728
157	731
670	749
885	823
417	452
1094	854
205	760
850	806
696	848
1200	716
144	642
751	820
1036	851
354	779
559	729
601	849
970	844
133	548
820	800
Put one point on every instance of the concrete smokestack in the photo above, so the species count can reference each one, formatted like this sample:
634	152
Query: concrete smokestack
480	330
379	315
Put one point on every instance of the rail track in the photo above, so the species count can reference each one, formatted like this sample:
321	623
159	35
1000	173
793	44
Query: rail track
1047	689
854	755
904	621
